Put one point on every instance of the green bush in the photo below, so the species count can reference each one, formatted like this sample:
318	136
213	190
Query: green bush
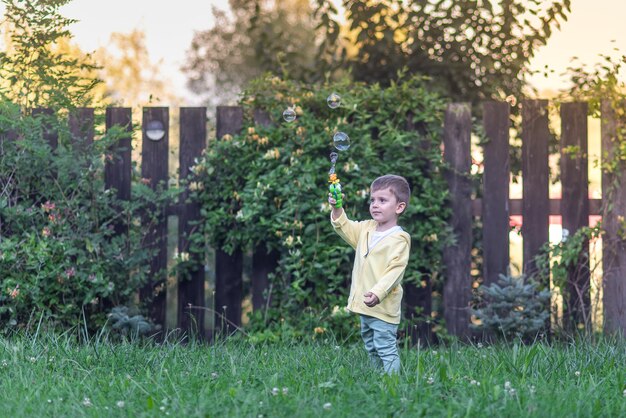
268	186
513	308
60	254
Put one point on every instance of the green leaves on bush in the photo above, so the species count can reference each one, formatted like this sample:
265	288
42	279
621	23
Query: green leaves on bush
66	243
268	186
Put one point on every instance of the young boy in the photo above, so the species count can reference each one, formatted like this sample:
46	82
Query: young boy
382	253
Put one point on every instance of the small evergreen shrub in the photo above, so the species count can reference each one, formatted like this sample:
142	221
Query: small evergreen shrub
514	307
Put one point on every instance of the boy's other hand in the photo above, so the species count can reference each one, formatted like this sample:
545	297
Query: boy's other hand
371	299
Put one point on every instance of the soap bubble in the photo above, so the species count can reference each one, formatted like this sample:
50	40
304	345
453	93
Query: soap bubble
334	100
289	114
341	141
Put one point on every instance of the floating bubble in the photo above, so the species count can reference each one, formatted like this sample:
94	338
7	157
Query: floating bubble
334	100
341	141
289	114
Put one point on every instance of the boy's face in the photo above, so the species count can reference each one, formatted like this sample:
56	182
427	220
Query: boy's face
384	207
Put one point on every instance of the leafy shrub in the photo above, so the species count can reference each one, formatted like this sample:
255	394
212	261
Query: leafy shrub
61	250
268	186
513	308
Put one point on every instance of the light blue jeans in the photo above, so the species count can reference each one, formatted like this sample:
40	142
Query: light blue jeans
380	342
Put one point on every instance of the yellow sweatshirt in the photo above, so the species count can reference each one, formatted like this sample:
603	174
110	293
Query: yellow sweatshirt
378	269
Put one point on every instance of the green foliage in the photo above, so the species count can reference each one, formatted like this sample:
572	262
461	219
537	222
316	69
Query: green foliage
272	184
570	255
472	49
35	72
62	244
513	308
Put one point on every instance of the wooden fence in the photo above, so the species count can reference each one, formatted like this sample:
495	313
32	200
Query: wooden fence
495	207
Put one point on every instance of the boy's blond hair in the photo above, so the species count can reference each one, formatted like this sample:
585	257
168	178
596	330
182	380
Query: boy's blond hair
397	184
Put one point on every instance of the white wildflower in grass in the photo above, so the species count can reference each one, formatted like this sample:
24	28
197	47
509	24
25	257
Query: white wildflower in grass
120	404
285	391
479	345
474	382
507	385
532	389
4	363
430	380
32	359
275	391
434	352
327	405
577	373
214	375
162	408
624	393
49	400
87	402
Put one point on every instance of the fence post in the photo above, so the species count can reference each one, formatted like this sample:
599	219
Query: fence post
575	210
458	285
495	200
418	296
50	135
154	167
117	166
536	175
81	125
614	211
228	267
193	134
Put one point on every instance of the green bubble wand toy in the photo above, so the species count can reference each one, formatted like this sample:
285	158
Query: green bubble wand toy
335	186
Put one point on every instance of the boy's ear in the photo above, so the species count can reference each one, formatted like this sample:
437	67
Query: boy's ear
400	208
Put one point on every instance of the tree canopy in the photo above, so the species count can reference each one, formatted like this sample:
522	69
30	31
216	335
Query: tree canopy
472	49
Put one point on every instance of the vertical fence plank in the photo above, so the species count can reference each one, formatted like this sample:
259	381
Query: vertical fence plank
575	209
264	260
154	166
117	168
418	293
81	124
118	165
535	172
50	134
193	135
614	212
457	259
495	201
228	267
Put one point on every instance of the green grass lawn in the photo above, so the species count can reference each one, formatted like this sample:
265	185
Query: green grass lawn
54	376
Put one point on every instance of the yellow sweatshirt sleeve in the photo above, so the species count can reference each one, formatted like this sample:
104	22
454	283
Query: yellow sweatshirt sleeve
347	229
394	272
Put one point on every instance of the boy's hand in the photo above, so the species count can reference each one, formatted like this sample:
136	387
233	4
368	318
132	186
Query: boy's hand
371	299
332	201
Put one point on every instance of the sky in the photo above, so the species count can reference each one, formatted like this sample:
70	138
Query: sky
169	27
